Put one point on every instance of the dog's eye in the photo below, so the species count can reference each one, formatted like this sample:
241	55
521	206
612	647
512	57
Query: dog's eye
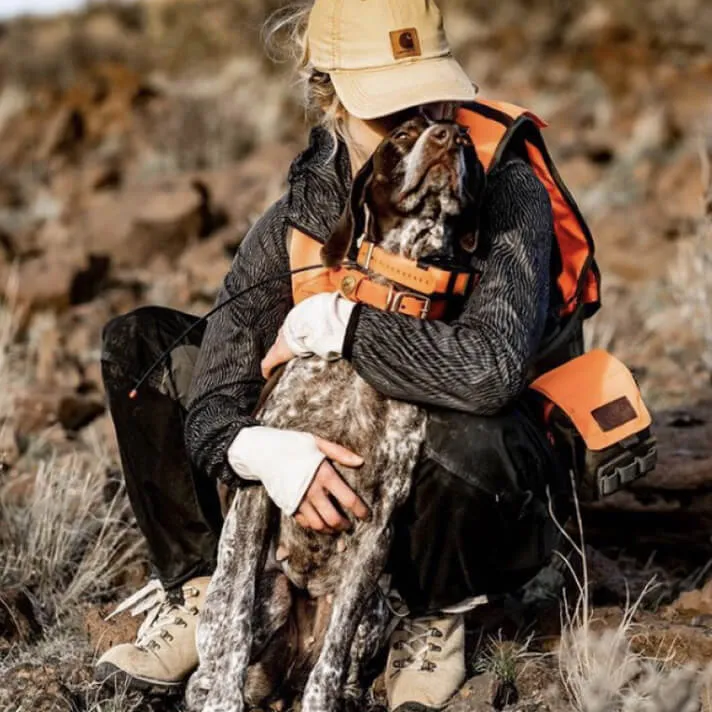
401	136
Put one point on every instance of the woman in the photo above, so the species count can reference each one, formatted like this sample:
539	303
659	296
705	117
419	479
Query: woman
476	522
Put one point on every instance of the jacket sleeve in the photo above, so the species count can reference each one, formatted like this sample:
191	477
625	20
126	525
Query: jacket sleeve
227	380
477	363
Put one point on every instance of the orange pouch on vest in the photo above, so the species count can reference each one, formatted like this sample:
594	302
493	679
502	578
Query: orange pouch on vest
593	407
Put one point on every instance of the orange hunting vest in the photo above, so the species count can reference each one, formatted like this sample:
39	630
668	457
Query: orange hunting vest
492	126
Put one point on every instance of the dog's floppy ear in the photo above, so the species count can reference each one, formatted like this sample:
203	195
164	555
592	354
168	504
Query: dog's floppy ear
352	221
468	223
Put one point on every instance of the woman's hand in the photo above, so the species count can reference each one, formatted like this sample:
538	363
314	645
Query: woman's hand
317	510
295	470
278	354
315	326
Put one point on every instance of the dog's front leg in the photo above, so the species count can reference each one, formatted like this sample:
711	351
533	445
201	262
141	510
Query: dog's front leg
325	684
369	640
225	631
272	652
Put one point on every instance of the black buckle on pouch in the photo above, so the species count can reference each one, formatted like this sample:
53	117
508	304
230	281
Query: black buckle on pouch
635	457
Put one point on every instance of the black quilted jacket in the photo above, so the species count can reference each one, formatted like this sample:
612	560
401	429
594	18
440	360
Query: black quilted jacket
477	363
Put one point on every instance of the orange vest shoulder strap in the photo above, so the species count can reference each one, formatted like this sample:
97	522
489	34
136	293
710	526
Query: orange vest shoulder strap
305	251
492	124
489	122
509	110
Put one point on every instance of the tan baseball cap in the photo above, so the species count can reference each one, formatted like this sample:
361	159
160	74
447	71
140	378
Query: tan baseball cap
384	56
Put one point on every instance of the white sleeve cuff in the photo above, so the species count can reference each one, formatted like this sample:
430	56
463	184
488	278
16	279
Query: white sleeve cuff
318	326
284	461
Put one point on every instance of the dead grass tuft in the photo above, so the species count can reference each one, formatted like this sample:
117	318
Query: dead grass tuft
599	669
70	544
64	545
70	541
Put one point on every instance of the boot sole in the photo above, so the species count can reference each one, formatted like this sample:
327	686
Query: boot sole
107	673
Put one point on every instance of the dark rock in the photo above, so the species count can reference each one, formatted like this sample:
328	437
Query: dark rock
9	449
18	622
7	246
475	695
66	130
105	176
88	282
46	281
505	693
77	411
670	510
35	410
165	223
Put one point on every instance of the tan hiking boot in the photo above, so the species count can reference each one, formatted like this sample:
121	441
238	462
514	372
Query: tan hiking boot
426	662
165	651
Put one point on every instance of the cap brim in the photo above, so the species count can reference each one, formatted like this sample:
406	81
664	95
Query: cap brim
372	93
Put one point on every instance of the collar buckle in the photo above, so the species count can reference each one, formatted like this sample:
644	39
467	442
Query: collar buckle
395	299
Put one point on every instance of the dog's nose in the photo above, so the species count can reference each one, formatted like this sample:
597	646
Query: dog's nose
443	134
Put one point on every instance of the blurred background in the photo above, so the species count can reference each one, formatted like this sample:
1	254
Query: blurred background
139	142
112	115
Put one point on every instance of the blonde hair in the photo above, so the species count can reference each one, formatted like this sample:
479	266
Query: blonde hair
285	38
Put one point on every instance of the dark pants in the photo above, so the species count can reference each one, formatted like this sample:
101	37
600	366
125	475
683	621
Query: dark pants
476	521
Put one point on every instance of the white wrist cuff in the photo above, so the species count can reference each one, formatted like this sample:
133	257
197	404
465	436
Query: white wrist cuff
318	326
284	461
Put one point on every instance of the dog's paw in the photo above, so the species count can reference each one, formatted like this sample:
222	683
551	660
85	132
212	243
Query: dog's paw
196	692
353	703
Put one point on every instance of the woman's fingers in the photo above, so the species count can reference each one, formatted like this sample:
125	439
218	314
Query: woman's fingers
312	519
279	353
334	483
319	499
317	511
338	453
344	495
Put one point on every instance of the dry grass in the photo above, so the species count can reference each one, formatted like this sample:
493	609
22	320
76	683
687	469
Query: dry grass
65	543
599	669
57	667
70	543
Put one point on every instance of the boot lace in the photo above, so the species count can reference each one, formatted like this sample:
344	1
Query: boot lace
162	613
419	643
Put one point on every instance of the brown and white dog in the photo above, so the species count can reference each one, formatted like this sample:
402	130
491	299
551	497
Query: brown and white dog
418	197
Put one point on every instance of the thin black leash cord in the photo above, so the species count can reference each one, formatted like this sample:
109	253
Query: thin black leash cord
282	275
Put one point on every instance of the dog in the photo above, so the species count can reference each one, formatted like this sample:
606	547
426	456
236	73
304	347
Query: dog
419	197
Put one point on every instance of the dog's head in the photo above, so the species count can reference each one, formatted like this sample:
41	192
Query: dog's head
419	195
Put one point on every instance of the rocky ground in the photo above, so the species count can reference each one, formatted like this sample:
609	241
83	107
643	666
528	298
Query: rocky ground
137	146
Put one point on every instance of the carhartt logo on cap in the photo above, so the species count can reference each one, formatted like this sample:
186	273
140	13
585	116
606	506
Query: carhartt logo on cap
405	43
